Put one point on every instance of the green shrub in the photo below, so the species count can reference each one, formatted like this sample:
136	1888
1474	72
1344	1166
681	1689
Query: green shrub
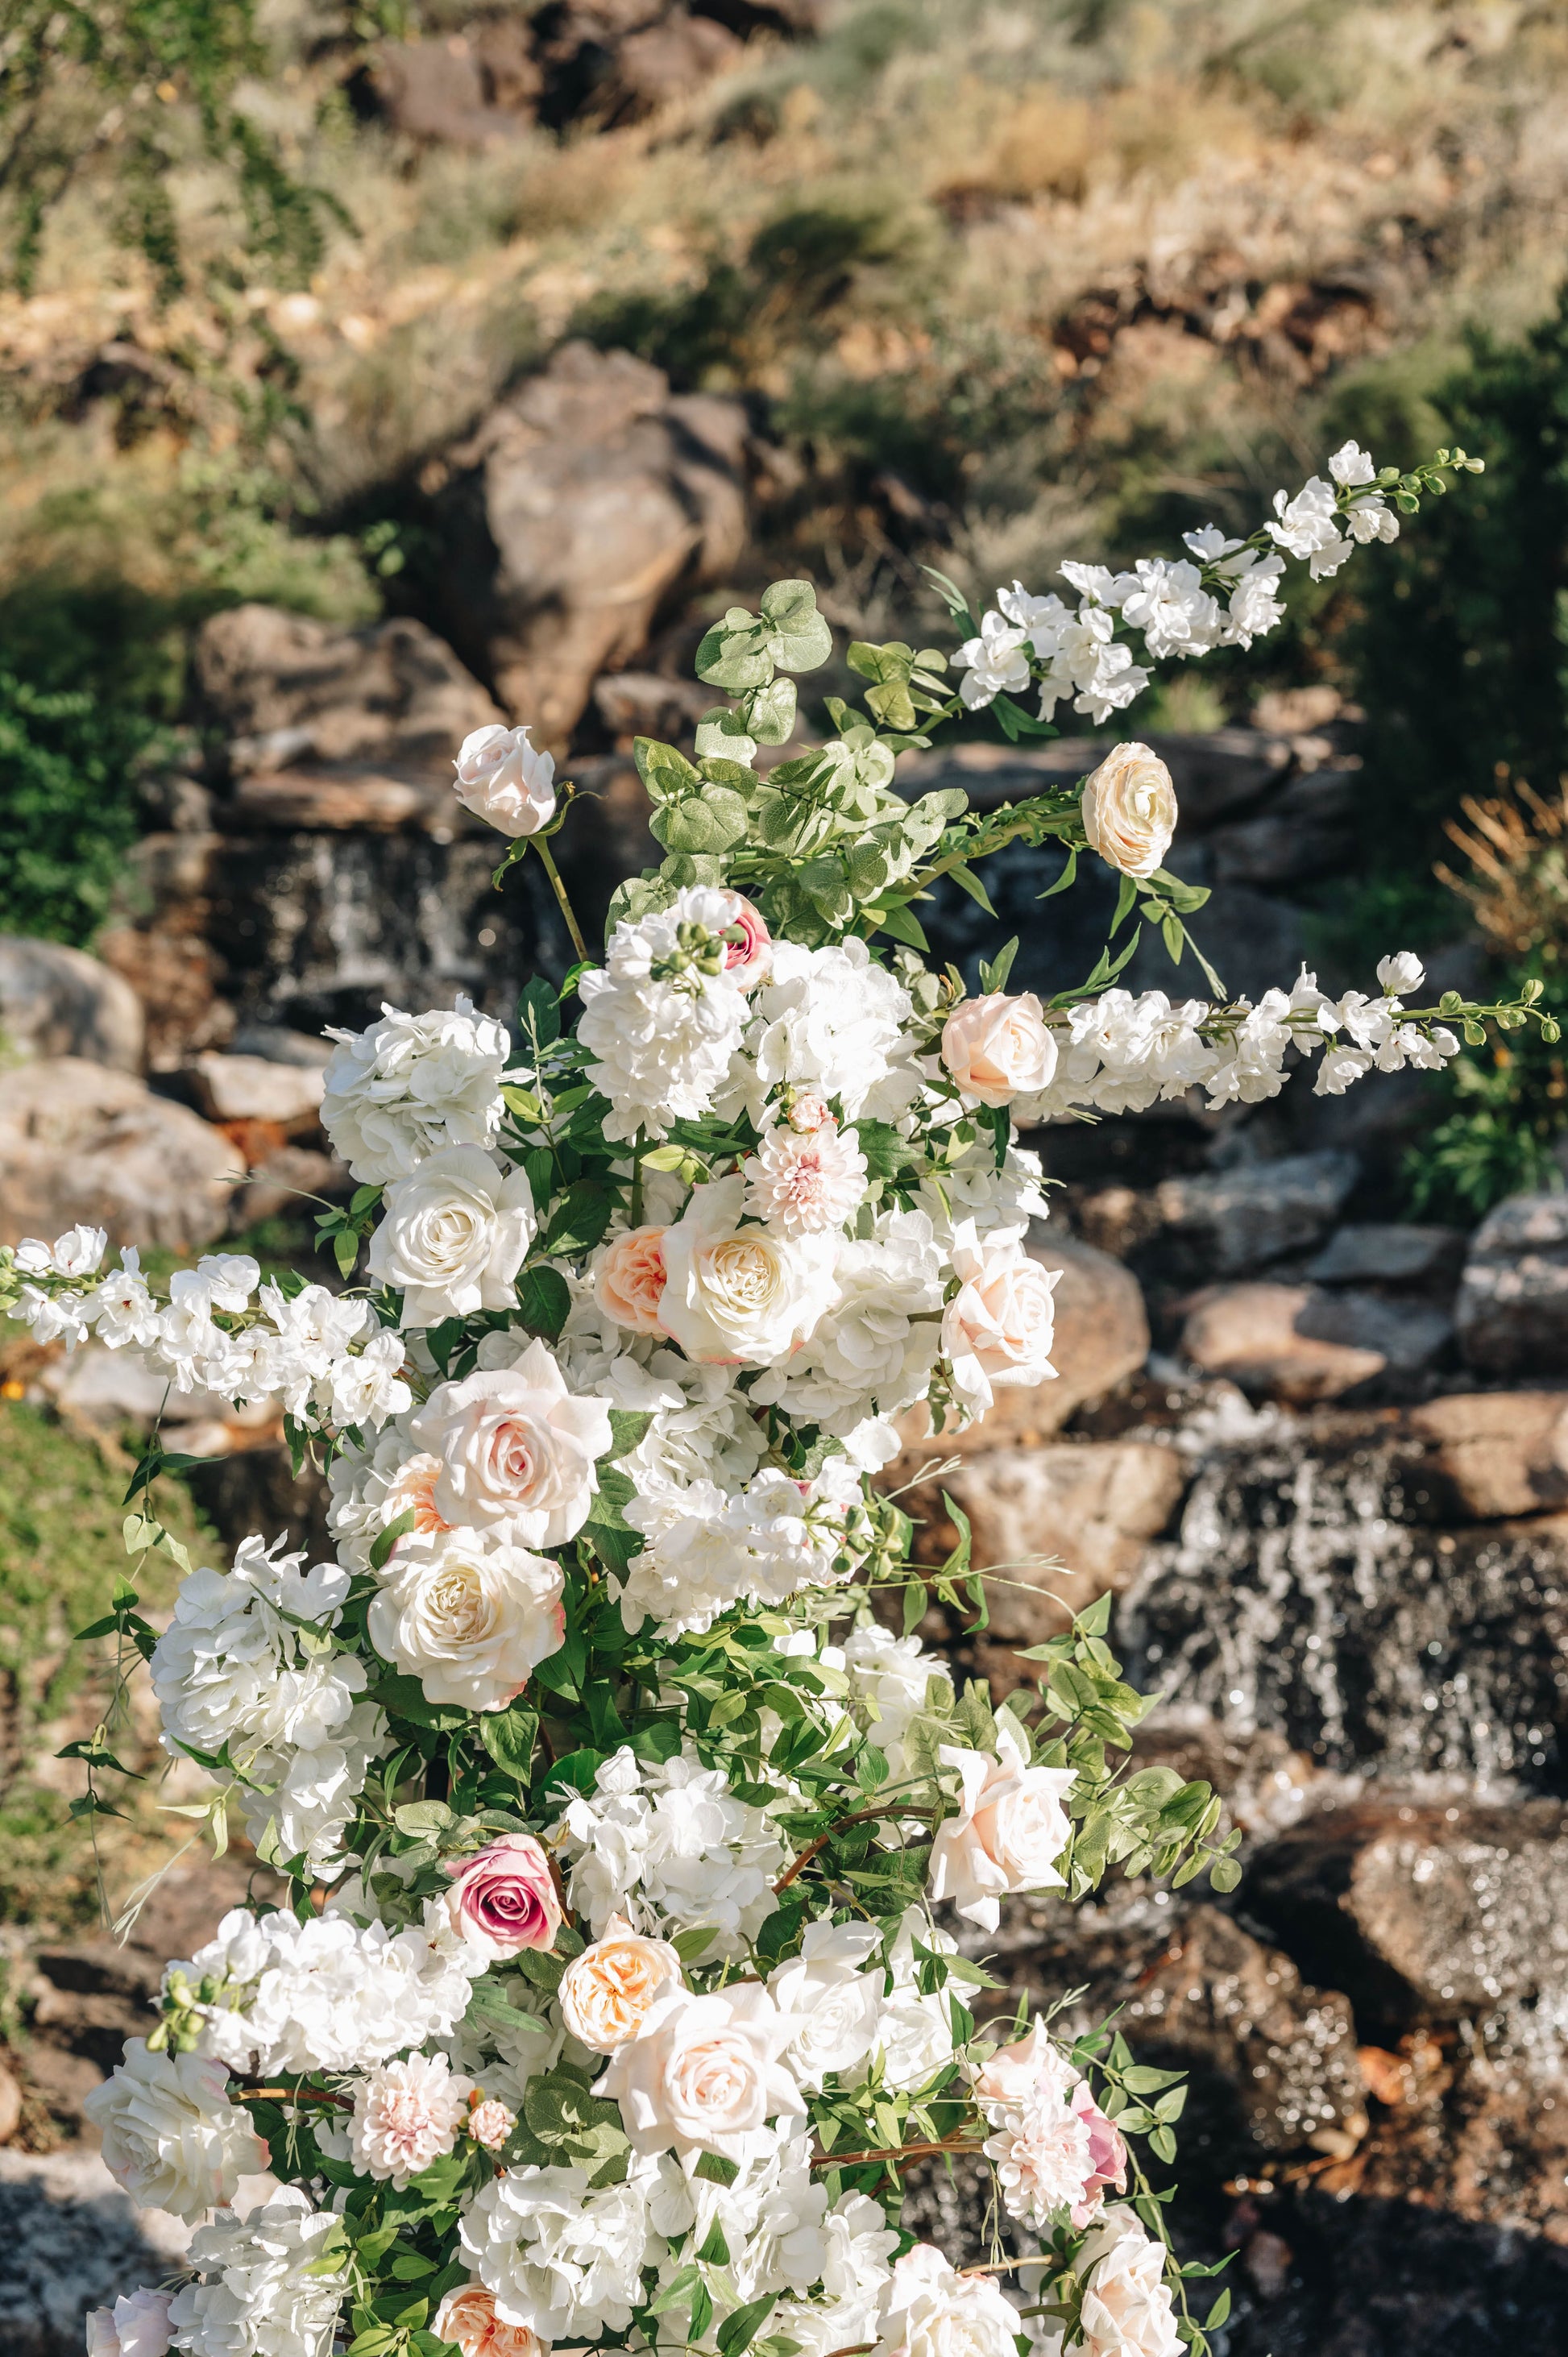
69	805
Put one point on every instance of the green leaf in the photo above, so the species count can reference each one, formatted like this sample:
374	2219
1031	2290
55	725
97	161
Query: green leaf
797	640
696	1942
1219	2312
769	712
544	1300
665	772
915	1604
403	1697
628	1425
897	920
734	655
1066	879
509	1738
579	1217
390	1537
740	2330
712	2250
539	1012
968	881
716	2168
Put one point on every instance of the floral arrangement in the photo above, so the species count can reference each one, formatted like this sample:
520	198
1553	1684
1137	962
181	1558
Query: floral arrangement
638	1866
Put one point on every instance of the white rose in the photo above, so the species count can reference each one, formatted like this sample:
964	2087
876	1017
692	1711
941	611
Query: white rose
407	2114
998	1047
931	2310
453	1235
505	780
737	1296
705	2072
836	2005
999	1327
608	1992
470	1618
1010	1829
1127	2308
171	2136
1129	810
516	1449
136	2326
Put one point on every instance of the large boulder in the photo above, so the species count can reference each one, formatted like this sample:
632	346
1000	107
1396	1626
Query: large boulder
56	1001
326	726
588	500
1422	1913
1512	1312
1301	1342
79	1143
1489	1454
1232	1222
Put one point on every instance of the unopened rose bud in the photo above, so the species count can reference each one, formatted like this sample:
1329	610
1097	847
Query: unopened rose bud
505	780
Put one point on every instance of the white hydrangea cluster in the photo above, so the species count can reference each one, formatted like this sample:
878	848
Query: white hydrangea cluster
411	1084
1224	594
327	1994
266	2285
667	1844
247	1670
665	1014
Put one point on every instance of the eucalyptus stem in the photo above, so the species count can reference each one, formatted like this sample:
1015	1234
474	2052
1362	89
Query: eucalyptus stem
578	943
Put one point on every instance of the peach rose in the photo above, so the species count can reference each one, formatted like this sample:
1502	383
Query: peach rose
608	1992
999	1327
998	1047
467	2317
631	1277
1127	2309
1129	810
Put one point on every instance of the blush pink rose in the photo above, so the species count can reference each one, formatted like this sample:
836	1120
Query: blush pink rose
1108	2155
505	1899
998	1047
467	2317
746	962
629	1279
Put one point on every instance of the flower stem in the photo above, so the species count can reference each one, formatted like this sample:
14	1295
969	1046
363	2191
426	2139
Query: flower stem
578	943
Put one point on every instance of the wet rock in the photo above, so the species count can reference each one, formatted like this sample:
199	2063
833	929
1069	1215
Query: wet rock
584	501
1489	1454
1239	1220
275	1045
1272	2060
254	1489
1101	1338
69	2241
632	703
1302	1595
1307	831
56	1001
1299	1343
284	1182
1512	1311
1089	1508
80	1143
1421	1914
287	690
1372	1252
253	1088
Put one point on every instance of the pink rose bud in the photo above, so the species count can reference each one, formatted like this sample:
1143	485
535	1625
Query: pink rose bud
746	962
504	1898
808	1112
490	2123
1108	2155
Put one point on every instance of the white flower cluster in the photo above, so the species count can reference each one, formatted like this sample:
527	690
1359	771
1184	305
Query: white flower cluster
412	1085
327	1994
268	2288
248	1669
665	1012
668	1844
1225	594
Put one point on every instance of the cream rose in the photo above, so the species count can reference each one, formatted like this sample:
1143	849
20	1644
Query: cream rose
1129	810
609	1991
704	2072
998	1047
1010	1829
453	1235
467	2317
931	2310
172	2139
998	1327
629	1279
1127	2309
517	1451
741	1297
503	778
470	1618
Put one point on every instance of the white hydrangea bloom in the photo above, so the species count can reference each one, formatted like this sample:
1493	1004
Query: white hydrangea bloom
859	2245
262	2292
915	2030
667	1845
872	1353
662	1042
326	1995
411	1084
706	1548
892	1675
562	2257
832	1021
773	2217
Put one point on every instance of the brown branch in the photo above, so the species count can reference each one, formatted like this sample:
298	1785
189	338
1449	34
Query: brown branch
859	1817
902	2153
296	2095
